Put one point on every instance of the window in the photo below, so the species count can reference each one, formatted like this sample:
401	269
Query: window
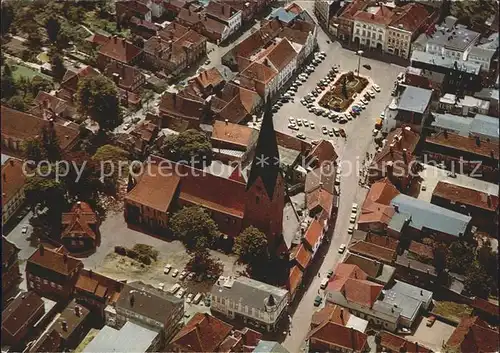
364	26
379	37
364	33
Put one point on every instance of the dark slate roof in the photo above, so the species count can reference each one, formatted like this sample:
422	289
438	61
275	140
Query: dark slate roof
266	162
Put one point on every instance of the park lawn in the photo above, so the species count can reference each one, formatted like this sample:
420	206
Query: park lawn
19	71
451	310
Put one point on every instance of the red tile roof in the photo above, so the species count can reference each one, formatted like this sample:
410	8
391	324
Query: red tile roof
376	207
473	335
128	75
93	283
324	152
203	333
120	50
485	306
21	311
313	233
221	11
395	343
70	79
382	240
373	251
55	260
352	8
282	54
335	335
397	141
24	126
79	222
294	279
464	144
332	313
421	250
13	179
98	39
182	106
154	190
236	134
382	15
362	292
319	197
213	26
303	256
211	77
409	17
259	72
466	196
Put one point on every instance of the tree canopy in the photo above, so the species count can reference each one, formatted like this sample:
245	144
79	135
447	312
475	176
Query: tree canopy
473	12
189	146
58	68
251	246
477	282
202	263
194	227
97	97
460	257
53	27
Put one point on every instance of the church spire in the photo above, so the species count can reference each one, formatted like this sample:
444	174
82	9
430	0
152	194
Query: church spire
266	160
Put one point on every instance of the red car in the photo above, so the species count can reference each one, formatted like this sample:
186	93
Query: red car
430	321
342	133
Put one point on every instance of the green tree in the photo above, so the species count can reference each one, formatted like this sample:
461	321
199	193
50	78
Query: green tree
439	261
473	13
460	257
97	97
53	27
50	143
110	158
194	227
190	146
8	83
488	260
82	181
251	246
17	102
34	40
39	84
202	263
33	150
58	68
45	192
477	282
6	17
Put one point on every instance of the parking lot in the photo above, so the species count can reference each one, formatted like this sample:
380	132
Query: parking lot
381	74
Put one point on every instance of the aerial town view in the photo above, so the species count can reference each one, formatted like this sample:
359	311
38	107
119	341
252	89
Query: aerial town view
250	176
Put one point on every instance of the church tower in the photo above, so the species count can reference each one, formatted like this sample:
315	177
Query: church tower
265	190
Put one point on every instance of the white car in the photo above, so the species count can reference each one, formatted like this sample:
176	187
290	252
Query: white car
371	94
324	130
167	269
175	273
354	208
190	276
363	101
299	122
330	133
24	229
183	275
342	249
189	298
181	293
312	125
293	127
291	120
376	88
161	286
352	219
306	123
350	230
337	180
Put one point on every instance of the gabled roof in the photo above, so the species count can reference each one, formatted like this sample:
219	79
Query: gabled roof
319	198
294	279
322	177
128	75
266	162
220	10
376	207
282	54
79	221
422	250
409	17
465	196
95	284
474	335
181	105
54	260
303	256
332	334
203	333
259	72
232	133
395	343
120	50
465	144
24	126
21	311
313	233
70	79
379	14
373	251
330	312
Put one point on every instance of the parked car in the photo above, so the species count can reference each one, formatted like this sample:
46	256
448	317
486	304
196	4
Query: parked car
190	276
336	131
301	136
354	208
330	133
181	293
430	321
312	125
342	133
175	273
363	101
306	123
24	229
324	283
317	301
183	275
371	94
167	269
189	298
329	274
350	230
376	88
341	248
161	286
366	66
352	219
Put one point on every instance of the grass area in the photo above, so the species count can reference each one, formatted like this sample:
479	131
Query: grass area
96	24
19	71
335	99
452	310
90	336
43	57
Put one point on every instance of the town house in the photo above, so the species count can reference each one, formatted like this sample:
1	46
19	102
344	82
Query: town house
10	268
225	14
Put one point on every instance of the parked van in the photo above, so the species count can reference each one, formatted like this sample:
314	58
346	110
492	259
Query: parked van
324	283
197	298
174	288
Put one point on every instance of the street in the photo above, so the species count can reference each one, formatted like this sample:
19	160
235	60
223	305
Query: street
351	153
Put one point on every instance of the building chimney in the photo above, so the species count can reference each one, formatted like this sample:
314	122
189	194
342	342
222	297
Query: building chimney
64	325
116	78
488	199
41	249
390	169
342	315
353	341
132	300
416	347
77	311
226	121
492	154
115	39
405	155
